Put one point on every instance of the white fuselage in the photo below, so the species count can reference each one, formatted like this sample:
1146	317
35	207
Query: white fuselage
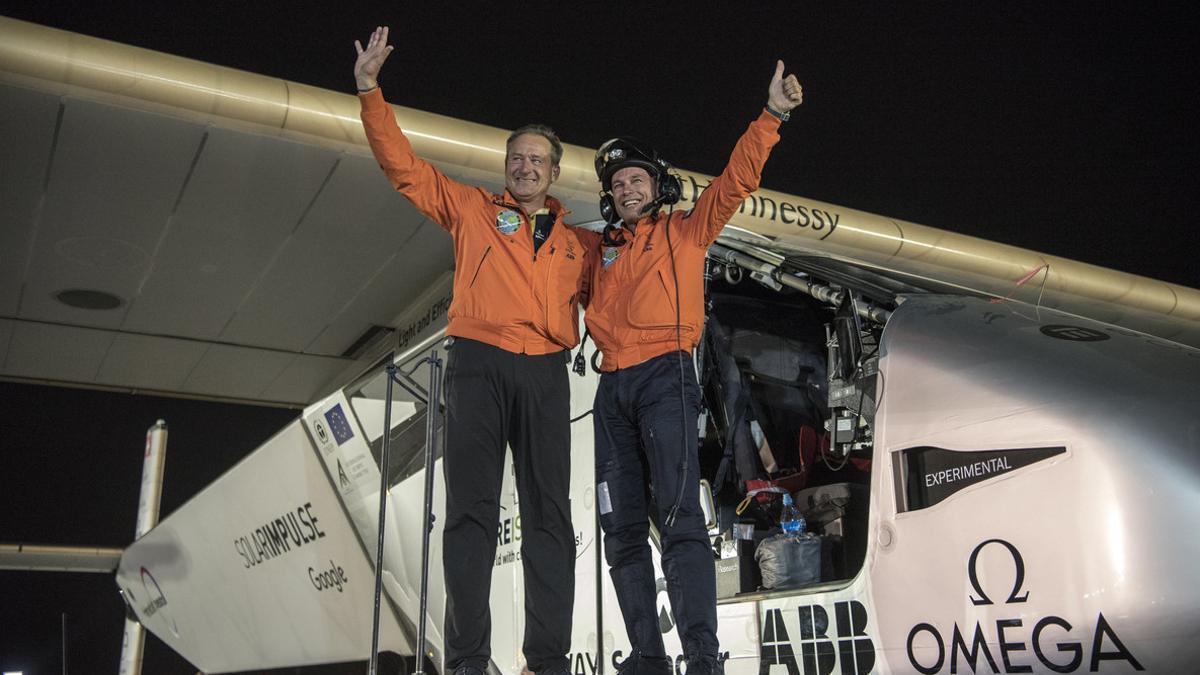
1021	491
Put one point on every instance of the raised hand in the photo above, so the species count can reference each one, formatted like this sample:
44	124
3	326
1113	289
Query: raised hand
370	60
785	92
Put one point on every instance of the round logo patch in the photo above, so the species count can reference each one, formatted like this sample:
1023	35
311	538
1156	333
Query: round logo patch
508	221
610	255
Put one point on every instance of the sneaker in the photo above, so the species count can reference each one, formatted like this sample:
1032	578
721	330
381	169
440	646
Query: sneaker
636	664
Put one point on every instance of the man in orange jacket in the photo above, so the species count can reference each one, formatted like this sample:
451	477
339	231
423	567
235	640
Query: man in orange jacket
517	282
646	314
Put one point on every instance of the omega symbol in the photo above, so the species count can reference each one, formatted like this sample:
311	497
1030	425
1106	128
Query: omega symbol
1018	564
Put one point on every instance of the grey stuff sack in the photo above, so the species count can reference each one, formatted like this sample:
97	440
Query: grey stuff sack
787	562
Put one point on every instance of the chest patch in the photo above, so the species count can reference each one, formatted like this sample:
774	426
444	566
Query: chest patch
610	255
508	221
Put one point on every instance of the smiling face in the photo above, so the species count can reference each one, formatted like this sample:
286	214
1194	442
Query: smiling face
632	190
529	170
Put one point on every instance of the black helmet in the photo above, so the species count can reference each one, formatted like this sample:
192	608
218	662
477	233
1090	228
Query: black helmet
618	153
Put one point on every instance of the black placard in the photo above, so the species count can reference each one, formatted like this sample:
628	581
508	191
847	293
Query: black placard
936	473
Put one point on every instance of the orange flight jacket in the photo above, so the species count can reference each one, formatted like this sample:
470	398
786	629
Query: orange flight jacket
504	294
632	309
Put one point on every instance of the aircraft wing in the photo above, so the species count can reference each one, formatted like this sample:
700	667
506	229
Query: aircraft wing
261	569
248	247
178	228
48	558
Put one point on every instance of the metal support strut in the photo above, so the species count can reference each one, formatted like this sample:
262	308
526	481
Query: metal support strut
432	410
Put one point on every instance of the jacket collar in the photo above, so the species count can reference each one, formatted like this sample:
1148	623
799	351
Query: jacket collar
647	221
556	207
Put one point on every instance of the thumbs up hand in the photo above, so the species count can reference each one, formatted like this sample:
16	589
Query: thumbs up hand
784	93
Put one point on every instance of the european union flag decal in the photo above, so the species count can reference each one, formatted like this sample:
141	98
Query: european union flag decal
338	424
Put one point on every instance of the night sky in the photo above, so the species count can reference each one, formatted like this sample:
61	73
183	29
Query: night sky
1064	128
1067	128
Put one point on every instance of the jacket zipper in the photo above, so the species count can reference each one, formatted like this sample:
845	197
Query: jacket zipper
487	251
549	272
662	280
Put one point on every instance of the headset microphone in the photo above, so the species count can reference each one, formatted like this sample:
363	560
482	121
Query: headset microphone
648	208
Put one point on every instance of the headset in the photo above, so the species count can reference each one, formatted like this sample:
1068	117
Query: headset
617	153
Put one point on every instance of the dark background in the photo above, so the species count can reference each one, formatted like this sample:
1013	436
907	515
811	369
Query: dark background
1064	128
72	470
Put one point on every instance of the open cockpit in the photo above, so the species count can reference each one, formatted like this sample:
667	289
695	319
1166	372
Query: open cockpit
788	368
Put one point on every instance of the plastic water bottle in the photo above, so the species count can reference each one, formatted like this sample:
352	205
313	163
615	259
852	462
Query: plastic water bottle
790	519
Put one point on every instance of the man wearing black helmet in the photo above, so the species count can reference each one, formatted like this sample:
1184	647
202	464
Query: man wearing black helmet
646	314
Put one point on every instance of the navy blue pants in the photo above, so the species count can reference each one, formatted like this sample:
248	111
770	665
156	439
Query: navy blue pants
496	398
645	456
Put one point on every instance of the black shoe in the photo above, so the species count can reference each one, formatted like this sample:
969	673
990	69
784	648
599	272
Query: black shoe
467	669
636	664
705	665
561	669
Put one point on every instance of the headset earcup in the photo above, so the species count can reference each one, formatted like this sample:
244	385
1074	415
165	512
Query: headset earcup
608	208
671	189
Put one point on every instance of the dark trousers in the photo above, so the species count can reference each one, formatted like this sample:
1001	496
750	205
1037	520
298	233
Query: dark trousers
494	398
644	457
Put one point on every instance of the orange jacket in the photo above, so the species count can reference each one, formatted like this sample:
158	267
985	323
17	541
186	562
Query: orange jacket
632	309
504	294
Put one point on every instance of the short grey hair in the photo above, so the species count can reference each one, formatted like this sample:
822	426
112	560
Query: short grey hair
556	151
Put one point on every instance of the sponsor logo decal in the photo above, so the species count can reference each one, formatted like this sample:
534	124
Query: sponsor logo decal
1074	333
322	435
508	530
934	474
156	601
927	647
819	651
508	533
820	221
508	540
1018	566
508	221
328	579
338	424
293	529
433	313
343	479
583	663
